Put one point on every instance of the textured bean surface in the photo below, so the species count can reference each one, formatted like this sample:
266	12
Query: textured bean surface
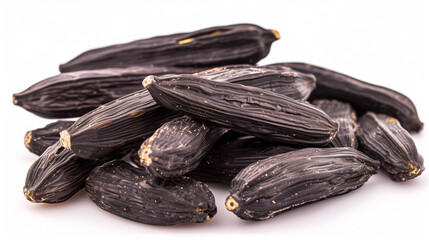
383	138
76	93
178	146
125	123
231	154
215	46
57	175
282	79
346	116
117	126
38	140
361	95
251	110
281	182
132	193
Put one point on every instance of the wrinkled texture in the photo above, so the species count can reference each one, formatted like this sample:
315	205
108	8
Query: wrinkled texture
383	138
38	140
76	93
117	126
362	96
132	193
215	46
276	184
57	175
123	124
231	154
344	114
283	80
250	110
178	146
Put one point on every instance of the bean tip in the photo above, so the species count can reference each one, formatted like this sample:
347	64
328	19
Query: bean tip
148	80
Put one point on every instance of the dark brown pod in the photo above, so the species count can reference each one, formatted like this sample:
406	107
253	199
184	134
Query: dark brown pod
132	193
57	175
361	95
75	93
231	154
123	124
346	116
282	182
250	110
38	140
215	46
178	146
382	137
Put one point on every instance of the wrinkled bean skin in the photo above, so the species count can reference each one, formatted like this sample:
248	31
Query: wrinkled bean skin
134	194
178	146
279	183
250	110
346	116
231	154
57	175
382	138
38	140
73	94
215	46
123	124
361	96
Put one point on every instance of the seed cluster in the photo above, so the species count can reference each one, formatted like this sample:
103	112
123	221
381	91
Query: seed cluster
282	135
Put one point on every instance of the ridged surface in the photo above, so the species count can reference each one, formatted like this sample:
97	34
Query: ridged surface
125	123
344	114
178	146
76	93
276	184
215	46
57	175
231	154
250	110
132	193
38	140
117	126
283	80
383	138
361	95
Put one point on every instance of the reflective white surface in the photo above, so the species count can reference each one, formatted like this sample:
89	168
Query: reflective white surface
384	43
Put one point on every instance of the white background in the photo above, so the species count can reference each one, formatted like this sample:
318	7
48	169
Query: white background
385	43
